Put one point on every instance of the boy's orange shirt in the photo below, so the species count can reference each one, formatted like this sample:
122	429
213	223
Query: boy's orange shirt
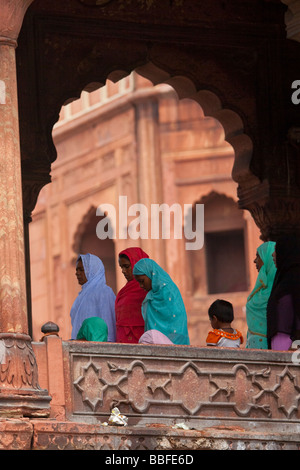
214	336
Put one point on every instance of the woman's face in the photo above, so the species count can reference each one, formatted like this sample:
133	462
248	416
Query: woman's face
126	268
80	274
258	262
144	282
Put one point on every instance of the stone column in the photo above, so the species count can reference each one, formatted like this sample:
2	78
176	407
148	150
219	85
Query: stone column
149	165
19	390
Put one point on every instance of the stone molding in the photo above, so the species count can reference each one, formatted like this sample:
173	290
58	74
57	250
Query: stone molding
292	19
21	394
41	434
12	14
80	436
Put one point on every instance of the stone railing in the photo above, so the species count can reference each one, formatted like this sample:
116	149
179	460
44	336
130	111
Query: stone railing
210	390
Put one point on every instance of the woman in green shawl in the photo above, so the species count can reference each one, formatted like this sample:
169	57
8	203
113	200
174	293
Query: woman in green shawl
256	307
163	308
93	329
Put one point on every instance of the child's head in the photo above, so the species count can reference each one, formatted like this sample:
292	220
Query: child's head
220	312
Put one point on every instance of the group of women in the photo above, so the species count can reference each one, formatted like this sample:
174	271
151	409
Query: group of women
273	306
148	309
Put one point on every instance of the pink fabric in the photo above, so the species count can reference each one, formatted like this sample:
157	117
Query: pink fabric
281	342
154	337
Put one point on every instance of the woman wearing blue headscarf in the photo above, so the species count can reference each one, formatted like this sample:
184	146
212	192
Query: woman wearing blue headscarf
163	308
256	307
96	298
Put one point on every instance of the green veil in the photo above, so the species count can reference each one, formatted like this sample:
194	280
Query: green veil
256	307
163	308
93	329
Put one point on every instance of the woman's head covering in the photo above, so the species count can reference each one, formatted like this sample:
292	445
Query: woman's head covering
256	307
163	308
93	329
286	285
134	254
129	301
93	267
95	299
154	337
265	277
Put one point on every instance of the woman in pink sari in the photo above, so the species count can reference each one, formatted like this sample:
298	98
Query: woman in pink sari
129	320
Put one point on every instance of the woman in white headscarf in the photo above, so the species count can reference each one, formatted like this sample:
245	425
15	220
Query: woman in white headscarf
96	298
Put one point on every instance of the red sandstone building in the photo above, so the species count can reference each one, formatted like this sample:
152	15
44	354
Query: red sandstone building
142	142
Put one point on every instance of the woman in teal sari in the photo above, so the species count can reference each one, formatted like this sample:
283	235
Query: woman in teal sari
256	307
163	308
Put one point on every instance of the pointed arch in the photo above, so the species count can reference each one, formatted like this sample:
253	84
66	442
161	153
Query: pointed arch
85	241
210	102
221	267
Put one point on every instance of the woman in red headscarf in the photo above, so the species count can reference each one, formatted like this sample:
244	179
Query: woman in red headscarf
129	320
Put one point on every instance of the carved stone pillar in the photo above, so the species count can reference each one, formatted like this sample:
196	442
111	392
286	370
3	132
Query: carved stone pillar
19	389
292	19
274	203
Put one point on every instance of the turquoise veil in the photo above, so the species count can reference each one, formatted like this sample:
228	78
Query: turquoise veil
163	308
256	307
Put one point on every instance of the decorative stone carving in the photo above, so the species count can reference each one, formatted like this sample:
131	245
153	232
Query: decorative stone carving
292	19
21	394
12	14
189	384
78	436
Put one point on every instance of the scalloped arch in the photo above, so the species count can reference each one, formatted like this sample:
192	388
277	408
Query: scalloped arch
210	196
211	105
82	227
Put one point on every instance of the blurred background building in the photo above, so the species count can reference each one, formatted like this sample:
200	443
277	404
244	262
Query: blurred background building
134	139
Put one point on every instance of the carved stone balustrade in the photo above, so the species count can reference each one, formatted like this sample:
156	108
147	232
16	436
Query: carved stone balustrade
227	398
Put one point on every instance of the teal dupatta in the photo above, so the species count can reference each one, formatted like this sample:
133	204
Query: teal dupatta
256	307
163	308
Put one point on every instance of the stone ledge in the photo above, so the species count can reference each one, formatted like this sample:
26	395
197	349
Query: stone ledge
81	436
15	434
47	434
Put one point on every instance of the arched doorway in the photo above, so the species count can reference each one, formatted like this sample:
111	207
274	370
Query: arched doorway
86	241
221	266
225	250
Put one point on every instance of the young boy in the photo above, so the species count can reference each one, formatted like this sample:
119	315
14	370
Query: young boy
221	315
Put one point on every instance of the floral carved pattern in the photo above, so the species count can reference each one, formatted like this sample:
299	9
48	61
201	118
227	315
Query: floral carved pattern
18	369
186	388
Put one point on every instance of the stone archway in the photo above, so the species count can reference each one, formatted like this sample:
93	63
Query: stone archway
203	51
221	267
211	105
204	79
200	48
86	241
